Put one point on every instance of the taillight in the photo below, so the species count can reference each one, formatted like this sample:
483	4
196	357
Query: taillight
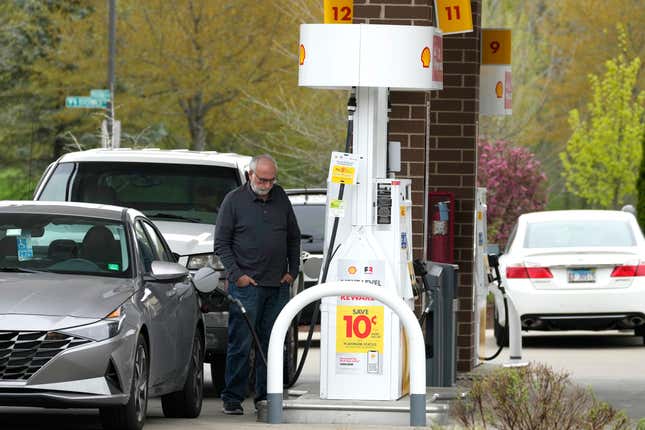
628	271
522	272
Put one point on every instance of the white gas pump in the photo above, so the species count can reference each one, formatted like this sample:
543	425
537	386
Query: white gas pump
481	268
363	352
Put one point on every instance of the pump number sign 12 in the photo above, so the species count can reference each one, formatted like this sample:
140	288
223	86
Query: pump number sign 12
454	16
338	11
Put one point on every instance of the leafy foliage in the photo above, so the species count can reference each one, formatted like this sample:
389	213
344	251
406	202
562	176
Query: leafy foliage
534	398
192	74
555	46
515	184
15	185
640	206
603	154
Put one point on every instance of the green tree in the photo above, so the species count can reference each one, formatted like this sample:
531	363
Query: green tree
14	184
603	154
640	206
555	46
186	64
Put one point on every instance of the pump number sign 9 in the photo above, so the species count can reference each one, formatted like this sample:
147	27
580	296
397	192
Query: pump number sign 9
359	329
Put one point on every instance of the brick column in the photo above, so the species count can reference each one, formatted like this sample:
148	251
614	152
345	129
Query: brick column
437	131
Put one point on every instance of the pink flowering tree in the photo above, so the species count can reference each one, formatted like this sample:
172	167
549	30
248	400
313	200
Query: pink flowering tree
515	184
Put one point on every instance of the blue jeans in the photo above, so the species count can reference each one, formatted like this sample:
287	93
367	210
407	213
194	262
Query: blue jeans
263	304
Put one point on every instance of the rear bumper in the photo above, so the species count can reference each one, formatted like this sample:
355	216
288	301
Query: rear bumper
582	309
548	322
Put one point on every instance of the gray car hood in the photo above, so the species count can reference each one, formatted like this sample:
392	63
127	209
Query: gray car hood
186	238
59	295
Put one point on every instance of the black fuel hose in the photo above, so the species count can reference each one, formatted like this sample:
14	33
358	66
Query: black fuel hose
351	108
499	286
239	304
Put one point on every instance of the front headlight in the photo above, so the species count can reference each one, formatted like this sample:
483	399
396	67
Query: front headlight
196	262
107	328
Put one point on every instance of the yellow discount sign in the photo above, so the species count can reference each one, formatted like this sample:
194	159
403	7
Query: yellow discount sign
454	16
359	329
338	11
343	174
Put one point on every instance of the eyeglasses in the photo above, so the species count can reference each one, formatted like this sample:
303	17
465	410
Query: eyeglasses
265	180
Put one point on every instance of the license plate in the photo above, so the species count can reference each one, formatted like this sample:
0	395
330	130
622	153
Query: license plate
581	275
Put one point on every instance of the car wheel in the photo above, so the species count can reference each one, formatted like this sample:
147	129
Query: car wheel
290	352
218	367
640	331
132	415
500	332
187	403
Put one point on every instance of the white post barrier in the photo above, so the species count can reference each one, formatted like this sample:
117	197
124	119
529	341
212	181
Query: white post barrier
337	288
514	325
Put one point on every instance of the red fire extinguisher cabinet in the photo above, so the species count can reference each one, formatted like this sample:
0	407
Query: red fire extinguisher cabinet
441	231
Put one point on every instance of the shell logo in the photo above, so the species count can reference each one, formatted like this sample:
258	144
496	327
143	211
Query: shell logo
351	270
425	57
499	89
302	54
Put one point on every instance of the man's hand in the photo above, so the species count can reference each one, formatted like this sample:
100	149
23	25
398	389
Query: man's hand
286	279
245	281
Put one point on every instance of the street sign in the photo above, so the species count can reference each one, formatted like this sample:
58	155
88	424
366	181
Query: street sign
85	102
100	94
338	11
454	16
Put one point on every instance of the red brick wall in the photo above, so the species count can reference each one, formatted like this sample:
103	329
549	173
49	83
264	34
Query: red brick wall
437	131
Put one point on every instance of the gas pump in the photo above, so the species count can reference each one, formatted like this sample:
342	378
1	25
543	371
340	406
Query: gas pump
363	347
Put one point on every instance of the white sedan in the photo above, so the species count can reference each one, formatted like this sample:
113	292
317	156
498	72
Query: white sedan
575	270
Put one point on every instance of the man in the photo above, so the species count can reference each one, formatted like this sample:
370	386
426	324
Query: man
258	240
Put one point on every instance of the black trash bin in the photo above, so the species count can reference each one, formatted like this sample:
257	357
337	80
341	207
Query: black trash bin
440	327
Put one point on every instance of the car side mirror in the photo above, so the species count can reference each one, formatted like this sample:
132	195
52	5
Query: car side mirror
206	280
165	271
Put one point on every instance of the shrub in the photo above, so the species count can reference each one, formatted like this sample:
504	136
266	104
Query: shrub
534	398
515	185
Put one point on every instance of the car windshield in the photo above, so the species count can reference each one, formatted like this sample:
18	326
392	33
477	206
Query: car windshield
311	220
63	244
173	192
578	233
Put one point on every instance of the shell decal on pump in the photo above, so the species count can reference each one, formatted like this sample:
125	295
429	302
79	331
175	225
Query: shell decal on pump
352	270
425	57
499	89
302	54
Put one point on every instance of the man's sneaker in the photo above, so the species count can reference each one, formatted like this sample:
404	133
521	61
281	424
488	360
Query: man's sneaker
233	408
259	404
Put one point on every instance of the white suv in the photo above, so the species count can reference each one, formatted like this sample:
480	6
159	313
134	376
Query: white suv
179	190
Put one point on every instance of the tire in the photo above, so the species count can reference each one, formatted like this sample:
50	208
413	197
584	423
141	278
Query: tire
290	353
132	415
218	366
500	332
640	331
187	403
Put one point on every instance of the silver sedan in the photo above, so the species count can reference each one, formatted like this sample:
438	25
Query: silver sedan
94	312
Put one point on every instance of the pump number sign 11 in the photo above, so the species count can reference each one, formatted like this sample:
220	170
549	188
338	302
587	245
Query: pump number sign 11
454	16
